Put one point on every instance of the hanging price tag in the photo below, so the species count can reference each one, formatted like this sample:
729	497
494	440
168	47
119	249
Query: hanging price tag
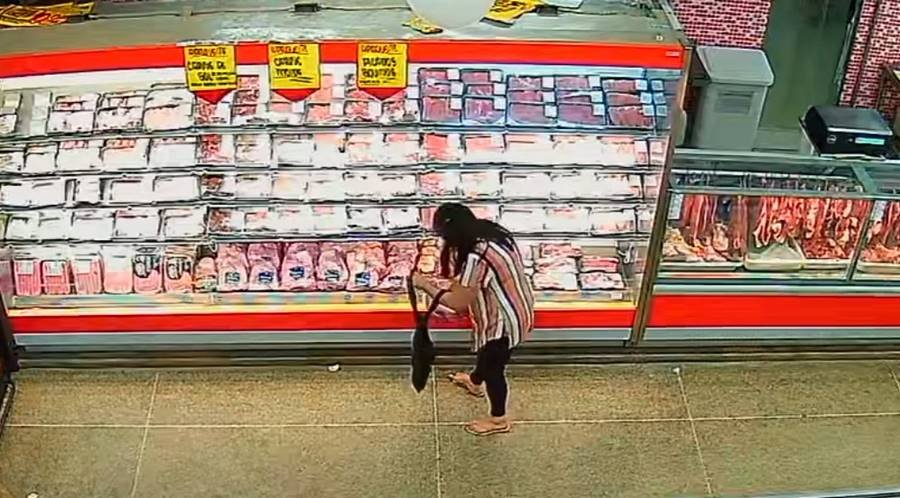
210	70
878	210
675	204
382	68
294	69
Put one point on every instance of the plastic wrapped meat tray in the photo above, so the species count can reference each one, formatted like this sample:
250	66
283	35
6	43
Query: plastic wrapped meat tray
366	264
175	152
331	268
294	149
125	153
253	150
442	110
136	223
441	147
12	161
298	268
79	155
216	149
487	148
93	224
40	159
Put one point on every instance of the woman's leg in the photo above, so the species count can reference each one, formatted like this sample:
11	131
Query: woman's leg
491	370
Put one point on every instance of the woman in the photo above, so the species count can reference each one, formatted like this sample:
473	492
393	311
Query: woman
487	281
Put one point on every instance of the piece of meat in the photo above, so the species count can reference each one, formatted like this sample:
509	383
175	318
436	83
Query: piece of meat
524	83
631	117
582	115
573	82
27	276
488	148
593	263
294	149
472	76
401	149
559	250
264	259
482	111
366	264
601	281
527	97
615	99
442	147
331	268
401	256
232	266
298	269
531	114
88	274
361	111
170	117
399	111
624	85
179	269
555	281
148	270
439	183
441	110
205	275
216	149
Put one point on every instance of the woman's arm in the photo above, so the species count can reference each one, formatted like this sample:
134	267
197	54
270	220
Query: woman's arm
458	298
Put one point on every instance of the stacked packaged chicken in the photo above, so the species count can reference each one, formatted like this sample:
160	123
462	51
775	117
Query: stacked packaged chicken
150	190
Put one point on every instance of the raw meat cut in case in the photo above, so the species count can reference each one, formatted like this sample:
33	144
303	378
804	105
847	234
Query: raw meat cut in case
118	269
264	259
400	259
298	269
526	96
216	149
179	269
591	115
331	269
573	82
484	148
56	275
480	76
87	271
169	117
232	264
439	183
624	85
148	270
614	99
294	149
483	111
357	111
125	153
476	184
631	117
594	263
175	152
253	150
439	147
27	275
365	265
79	155
401	218
531	114
524	83
559	250
555	281
441	110
12	161
40	159
206	275
601	281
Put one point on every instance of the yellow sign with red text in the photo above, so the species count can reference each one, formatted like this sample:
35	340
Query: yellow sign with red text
211	71
382	68
295	70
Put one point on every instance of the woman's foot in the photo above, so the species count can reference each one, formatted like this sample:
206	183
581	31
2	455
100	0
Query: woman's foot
462	380
489	426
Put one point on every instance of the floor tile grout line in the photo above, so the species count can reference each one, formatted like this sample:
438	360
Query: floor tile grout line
693	425
894	376
147	420
351	425
437	434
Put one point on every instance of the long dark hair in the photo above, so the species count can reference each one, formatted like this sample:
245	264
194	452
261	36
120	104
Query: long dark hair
461	231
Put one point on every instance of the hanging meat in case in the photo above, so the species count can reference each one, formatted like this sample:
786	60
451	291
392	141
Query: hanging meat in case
331	270
232	266
179	269
87	270
298	269
264	259
366	264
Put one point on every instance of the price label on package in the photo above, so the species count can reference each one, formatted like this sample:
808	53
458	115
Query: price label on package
211	70
382	68
294	69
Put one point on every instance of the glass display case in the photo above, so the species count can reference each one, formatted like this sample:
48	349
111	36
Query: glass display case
756	218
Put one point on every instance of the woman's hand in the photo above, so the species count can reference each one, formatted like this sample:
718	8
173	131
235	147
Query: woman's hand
420	281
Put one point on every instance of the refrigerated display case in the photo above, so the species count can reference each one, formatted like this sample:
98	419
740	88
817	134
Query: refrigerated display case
777	247
141	213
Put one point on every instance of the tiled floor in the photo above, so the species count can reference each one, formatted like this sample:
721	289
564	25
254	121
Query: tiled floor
642	431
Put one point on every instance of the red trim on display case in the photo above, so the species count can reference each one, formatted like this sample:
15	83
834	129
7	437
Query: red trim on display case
470	52
303	321
775	311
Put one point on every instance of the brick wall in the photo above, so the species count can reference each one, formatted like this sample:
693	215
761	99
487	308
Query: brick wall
876	44
725	23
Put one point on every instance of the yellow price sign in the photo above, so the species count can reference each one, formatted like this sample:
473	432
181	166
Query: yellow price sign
294	69
211	70
382	68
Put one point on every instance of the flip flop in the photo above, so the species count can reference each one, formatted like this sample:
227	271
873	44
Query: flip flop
464	387
490	432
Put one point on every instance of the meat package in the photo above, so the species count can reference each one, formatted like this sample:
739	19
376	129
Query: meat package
27	273
568	219
206	276
137	223
525	185
442	147
245	106
216	149
298	269
523	219
9	112
232	265
118	269
365	148
429	257
183	222
475	184
73	113
40	159
364	219
148	269
401	149
79	155
529	148
439	184
399	219
601	281
366	264
168	107
253	150
489	148
125	154
401	256
173	152
283	112
330	219
178	264
330	151
612	221
265	260
331	269
56	272
171	188
54	224
123	111
12	161
87	270
296	150
93	224
529	101
87	191
218	114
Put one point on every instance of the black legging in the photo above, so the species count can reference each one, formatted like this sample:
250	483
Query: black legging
490	368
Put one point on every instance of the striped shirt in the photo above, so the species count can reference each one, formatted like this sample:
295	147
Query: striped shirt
504	303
